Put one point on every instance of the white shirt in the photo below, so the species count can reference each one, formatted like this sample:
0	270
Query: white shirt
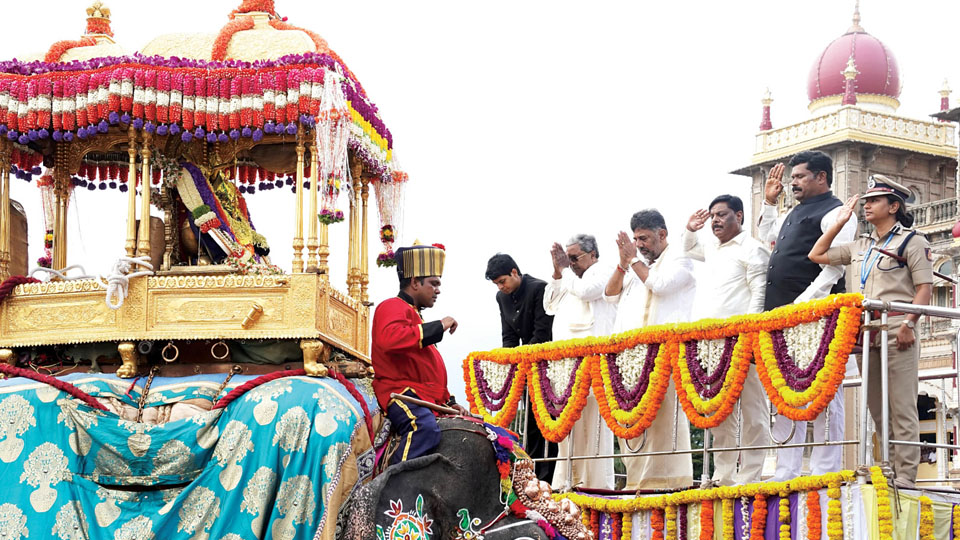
665	297
577	303
735	275
769	228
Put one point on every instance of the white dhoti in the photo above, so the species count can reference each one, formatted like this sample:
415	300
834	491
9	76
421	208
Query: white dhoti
823	459
663	471
590	436
754	432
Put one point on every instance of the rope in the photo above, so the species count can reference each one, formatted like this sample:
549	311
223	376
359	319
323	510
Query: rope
263	379
118	282
8	284
63	386
253	383
62	273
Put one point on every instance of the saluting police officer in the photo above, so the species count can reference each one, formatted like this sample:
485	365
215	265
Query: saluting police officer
908	277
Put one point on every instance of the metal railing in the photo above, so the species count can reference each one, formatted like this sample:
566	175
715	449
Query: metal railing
864	418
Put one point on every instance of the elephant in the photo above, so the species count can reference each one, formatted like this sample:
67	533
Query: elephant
452	493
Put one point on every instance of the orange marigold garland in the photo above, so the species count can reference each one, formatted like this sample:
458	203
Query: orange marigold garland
706	520
60	48
758	521
814	518
656	523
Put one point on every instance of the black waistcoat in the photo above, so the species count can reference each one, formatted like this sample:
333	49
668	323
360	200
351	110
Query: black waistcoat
790	271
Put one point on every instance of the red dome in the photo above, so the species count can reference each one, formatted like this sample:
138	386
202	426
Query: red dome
878	70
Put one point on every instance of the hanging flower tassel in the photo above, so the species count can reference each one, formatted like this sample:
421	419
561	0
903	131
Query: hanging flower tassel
926	518
332	134
835	510
814	518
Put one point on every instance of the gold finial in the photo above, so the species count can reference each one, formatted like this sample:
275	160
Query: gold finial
856	19
98	11
767	97
851	71
945	90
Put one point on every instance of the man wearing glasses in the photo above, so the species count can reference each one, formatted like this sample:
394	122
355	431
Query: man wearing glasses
792	278
575	298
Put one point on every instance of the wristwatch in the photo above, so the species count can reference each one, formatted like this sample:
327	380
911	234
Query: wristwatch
910	324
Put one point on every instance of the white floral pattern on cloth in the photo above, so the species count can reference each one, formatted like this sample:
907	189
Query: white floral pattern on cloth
198	512
709	352
803	341
13	523
224	455
44	469
265	396
558	373
16	417
71	524
630	363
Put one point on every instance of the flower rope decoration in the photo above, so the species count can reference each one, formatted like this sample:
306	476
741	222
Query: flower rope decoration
834	511
706	520
814	516
795	401
656	523
498	407
758	521
727	519
670	521
784	514
926	518
800	350
956	521
702	395
884	512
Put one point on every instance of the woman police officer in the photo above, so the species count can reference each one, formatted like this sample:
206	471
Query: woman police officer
885	278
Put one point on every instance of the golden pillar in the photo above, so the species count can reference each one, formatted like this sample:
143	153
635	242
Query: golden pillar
312	244
4	210
353	273
143	243
131	244
61	188
298	214
323	249
364	252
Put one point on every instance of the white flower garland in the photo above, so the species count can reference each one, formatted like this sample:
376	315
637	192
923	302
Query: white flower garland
803	341
495	374
630	363
558	374
710	352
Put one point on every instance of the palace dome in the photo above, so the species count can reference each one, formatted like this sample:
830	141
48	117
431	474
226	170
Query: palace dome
877	83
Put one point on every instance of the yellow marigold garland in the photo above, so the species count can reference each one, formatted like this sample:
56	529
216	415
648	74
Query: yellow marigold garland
784	515
884	513
834	512
626	528
956	521
727	519
721	405
556	429
505	415
926	518
670	520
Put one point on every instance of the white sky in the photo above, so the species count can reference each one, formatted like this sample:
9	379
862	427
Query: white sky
524	122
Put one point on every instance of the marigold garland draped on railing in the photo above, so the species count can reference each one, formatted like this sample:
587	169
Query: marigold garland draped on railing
801	353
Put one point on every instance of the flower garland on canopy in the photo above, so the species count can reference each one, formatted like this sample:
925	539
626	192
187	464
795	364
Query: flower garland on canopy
629	372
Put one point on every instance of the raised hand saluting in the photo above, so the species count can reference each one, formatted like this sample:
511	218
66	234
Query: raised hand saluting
697	220
774	185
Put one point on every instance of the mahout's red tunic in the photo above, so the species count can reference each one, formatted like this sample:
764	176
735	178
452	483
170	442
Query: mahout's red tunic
404	355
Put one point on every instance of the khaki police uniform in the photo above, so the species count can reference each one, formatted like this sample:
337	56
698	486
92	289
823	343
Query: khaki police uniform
883	278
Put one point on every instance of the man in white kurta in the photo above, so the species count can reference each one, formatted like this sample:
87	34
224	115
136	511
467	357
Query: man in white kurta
575	298
657	290
732	283
811	178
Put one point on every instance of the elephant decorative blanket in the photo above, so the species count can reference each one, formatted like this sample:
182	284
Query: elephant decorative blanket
275	463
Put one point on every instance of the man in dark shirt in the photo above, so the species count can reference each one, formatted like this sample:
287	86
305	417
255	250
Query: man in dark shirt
524	322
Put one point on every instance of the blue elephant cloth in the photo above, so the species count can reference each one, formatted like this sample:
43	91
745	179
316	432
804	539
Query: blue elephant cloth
263	467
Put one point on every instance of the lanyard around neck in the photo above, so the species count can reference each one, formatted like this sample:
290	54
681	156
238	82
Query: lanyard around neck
865	269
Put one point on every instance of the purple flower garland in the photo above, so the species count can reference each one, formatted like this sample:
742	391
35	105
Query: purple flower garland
796	378
493	401
706	384
628	399
554	403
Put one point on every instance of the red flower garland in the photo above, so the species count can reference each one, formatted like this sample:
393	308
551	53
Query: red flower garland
220	45
60	48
